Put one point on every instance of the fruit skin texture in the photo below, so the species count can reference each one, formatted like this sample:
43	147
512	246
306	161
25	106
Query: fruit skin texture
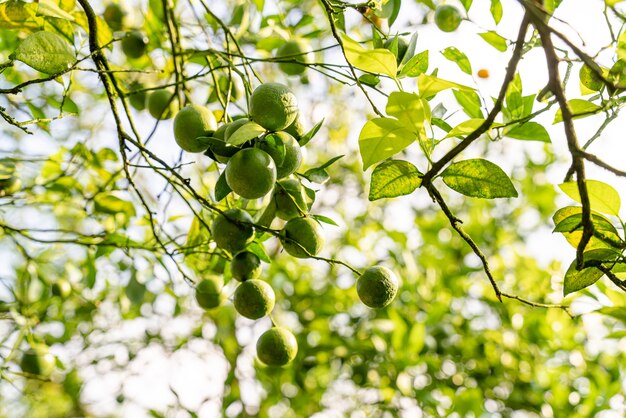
245	266
190	123
289	199
254	299
114	16
296	129
276	347
134	44
162	104
251	173
209	292
229	235
302	237
38	361
293	51
293	155
273	106
377	287
61	288
447	18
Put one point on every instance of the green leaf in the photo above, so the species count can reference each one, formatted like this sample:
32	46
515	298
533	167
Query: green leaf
470	102
246	132
602	197
429	85
319	174
495	40
324	219
467	127
618	312
378	61
514	100
108	203
51	9
46	52
259	250
580	109
417	65
394	178
222	189
569	217
454	55
369	79
576	280
478	178
529	131
409	109
466	4
382	138
496	10
309	135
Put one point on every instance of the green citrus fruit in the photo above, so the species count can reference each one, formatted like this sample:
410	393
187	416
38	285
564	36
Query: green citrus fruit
254	299
138	99
233	230
190	123
38	361
245	266
295	52
296	129
273	106
233	126
447	18
251	173
162	104
220	134
114	16
61	288
302	237
284	150
377	287
590	79
277	347
290	199
134	44
402	47
209	292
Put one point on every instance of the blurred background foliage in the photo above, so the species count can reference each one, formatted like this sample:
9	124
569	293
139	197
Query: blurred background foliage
126	336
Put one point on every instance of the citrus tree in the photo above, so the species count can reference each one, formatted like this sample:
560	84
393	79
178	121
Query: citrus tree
291	208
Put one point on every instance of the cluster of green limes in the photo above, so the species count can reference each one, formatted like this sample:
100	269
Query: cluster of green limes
261	152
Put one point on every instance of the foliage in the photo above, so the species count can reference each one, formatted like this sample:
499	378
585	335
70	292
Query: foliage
106	226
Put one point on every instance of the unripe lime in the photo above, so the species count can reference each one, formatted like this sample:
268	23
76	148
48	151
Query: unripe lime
138	99
287	156
447	18
38	361
245	266
290	199
254	299
233	230
209	292
276	347
190	123
61	288
251	173
377	287
220	134
162	104
296	129
273	106
302	237
114	16
233	126
135	44
295	52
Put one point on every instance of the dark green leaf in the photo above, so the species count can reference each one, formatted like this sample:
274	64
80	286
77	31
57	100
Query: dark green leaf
309	135
222	189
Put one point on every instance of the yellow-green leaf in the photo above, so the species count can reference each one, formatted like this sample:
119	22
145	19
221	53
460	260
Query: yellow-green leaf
429	85
382	138
378	61
46	52
394	178
602	197
478	178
